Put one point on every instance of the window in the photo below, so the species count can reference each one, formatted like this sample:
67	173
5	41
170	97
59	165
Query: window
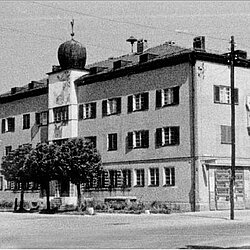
126	181
113	178
222	94
26	121
1	183
138	139
167	97
42	118
154	176
61	114
111	106
112	142
91	139
139	174
169	176
8	150
226	134
167	136
138	102
87	111
8	125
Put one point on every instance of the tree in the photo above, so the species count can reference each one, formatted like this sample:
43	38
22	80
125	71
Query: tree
13	168
81	162
43	166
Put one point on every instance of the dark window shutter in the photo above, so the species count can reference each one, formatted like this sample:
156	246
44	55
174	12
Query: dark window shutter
145	139
119	105
93	113
158	99
173	176
11	124
143	177
130	104
3	126
115	141
236	96
104	108
80	112
129	177
216	94
158	137
130	140
145	101
176	131
37	117
176	95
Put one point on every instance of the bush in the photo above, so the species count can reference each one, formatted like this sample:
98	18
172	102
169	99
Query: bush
6	204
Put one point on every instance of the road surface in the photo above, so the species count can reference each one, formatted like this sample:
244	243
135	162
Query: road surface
188	230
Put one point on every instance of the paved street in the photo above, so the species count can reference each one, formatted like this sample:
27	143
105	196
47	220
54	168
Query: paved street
188	230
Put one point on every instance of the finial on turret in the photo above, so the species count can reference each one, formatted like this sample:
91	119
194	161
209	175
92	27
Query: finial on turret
72	27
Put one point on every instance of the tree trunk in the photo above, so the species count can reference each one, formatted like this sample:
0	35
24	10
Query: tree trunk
47	195
79	198
22	198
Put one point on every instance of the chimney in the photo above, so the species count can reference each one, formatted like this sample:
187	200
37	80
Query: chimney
31	85
140	46
199	43
13	90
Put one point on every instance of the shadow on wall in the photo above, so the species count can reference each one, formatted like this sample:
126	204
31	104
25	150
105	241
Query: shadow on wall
213	247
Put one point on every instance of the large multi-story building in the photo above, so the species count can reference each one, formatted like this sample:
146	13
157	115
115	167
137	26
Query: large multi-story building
160	118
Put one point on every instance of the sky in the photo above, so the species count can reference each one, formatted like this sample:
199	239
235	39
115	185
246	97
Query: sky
32	31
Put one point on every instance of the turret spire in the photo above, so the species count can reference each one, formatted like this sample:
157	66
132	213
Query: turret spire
72	27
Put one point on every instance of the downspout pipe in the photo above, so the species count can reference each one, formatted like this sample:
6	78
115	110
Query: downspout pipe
192	131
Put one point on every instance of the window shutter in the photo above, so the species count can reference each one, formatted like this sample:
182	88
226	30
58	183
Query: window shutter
115	141
130	140
11	124
158	103
104	108
93	112
176	95
236	96
145	139
176	131
130	104
158	137
173	176
145	101
119	105
143	177
216	94
3	126
225	134
80	112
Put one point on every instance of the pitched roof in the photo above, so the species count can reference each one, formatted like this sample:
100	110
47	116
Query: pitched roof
160	51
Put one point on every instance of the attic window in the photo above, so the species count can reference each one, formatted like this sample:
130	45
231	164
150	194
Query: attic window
146	57
120	63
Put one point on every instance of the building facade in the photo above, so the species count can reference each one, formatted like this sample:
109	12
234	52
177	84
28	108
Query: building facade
160	119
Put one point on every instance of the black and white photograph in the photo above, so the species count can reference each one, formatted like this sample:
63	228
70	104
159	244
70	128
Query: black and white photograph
125	125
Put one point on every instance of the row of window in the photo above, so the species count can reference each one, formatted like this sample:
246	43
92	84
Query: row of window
166	136
127	178
115	179
137	102
8	124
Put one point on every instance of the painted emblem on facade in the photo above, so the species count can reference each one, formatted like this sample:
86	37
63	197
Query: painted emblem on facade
201	71
62	89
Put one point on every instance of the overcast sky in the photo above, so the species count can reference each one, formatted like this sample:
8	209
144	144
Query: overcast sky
31	32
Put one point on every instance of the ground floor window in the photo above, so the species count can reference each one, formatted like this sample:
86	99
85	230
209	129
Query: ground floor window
169	176
154	177
140	176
